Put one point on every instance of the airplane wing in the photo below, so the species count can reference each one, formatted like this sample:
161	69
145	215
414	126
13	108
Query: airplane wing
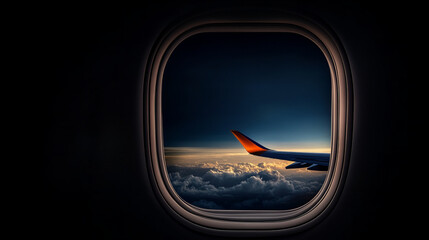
313	161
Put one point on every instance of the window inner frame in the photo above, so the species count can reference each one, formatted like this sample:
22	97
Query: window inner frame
259	222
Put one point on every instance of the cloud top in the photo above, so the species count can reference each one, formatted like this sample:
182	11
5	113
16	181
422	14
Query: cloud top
215	185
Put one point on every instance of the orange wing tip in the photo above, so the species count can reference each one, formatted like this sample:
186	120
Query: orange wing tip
250	145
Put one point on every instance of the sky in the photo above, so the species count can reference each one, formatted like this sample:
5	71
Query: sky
274	88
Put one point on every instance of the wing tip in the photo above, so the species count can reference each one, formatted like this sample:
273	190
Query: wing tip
248	144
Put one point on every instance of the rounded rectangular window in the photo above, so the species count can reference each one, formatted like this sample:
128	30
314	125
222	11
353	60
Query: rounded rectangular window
247	123
274	87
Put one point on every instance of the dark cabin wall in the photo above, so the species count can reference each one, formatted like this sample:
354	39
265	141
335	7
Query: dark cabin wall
95	180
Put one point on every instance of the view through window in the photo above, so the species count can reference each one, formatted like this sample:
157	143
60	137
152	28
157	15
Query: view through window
274	89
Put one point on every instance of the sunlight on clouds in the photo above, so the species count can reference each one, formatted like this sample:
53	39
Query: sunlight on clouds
212	156
229	157
233	179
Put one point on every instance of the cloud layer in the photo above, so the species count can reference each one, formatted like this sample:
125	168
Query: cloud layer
242	186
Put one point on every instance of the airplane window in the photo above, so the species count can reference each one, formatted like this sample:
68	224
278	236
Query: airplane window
274	91
247	122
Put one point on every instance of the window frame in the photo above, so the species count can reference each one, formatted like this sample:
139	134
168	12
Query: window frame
249	222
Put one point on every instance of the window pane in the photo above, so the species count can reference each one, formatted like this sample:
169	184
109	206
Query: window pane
273	87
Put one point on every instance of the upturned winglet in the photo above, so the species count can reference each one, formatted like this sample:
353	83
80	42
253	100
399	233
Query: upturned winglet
250	145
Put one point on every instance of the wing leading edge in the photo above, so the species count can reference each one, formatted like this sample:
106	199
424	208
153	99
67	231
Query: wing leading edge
312	161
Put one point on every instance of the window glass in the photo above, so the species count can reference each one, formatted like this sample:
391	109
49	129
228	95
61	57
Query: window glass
273	87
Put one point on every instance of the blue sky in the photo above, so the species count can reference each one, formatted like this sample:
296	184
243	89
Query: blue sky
274	87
